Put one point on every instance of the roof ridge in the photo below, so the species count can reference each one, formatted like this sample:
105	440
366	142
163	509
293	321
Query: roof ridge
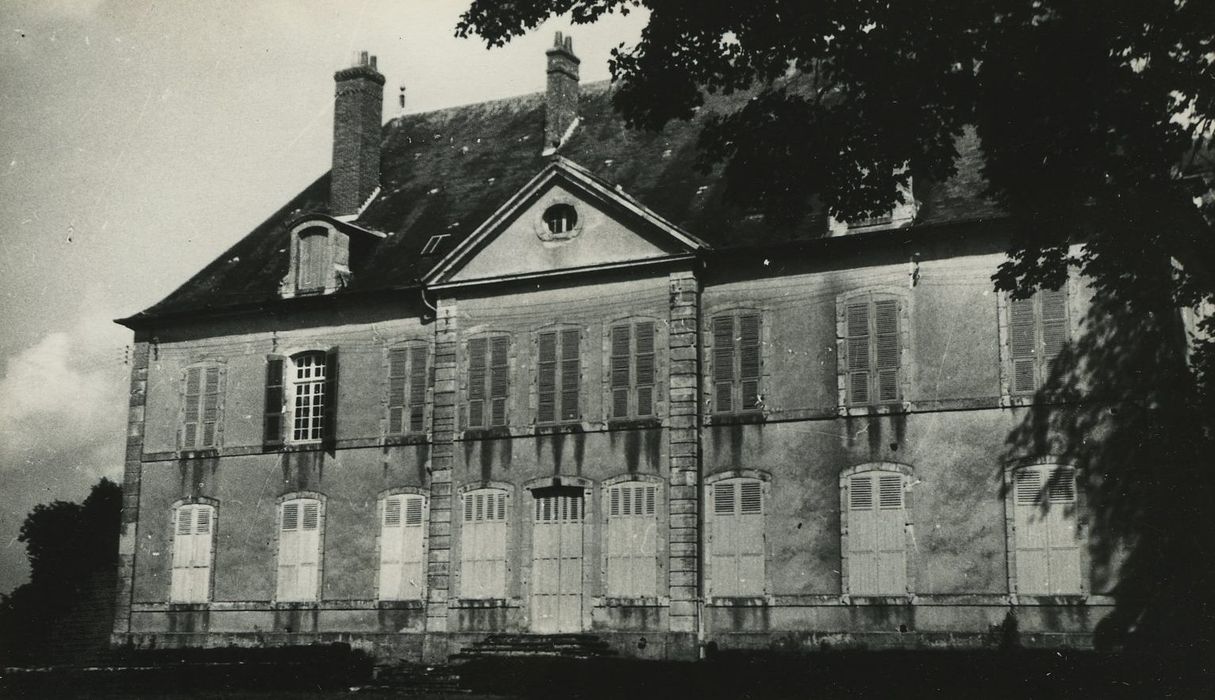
596	87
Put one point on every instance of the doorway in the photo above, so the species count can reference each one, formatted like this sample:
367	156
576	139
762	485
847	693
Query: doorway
558	517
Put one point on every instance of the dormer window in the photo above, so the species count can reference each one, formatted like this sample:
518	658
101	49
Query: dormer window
560	219
320	259
312	269
901	214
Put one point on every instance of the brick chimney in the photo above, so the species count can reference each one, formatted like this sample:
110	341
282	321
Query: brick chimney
357	116
561	98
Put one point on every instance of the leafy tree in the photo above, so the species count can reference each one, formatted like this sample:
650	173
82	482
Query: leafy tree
1091	115
73	555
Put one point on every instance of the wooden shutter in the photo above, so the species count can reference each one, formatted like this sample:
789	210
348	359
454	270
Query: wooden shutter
631	541
398	361
749	349
857	351
737	557
1063	559
1021	345
288	551
212	382
401	548
273	424
1031	533
886	336
1053	307
877	558
191	565
476	382
483	545
862	536
619	371
417	388
891	536
1048	549
313	259
329	421
723	363
499	373
310	550
546	378
190	398
645	365
571	374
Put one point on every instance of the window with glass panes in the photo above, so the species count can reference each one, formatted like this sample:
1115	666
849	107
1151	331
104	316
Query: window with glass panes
308	397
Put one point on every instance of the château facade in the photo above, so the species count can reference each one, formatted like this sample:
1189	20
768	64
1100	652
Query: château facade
511	367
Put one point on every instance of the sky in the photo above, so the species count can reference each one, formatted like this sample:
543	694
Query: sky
140	139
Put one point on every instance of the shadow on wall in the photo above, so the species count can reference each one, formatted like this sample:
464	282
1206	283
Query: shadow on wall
1142	446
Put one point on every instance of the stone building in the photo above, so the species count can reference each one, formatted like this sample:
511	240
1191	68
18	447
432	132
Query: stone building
511	367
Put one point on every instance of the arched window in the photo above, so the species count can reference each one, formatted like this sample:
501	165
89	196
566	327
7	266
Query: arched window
483	544
308	396
632	532
875	531
312	263
736	544
403	547
1046	536
193	540
300	539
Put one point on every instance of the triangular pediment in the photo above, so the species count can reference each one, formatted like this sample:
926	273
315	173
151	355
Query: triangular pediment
564	221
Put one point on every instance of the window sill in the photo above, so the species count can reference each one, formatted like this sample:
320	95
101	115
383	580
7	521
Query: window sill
200	453
411	604
1010	400
295	605
188	607
633	602
740	601
885	409
1072	599
407	439
634	423
740	418
566	428
473	603
300	447
878	600
494	433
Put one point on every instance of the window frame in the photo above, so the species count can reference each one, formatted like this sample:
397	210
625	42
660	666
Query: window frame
560	331
470	490
408	389
873	295
660	540
301	497
906	474
291	396
176	509
465	379
1008	394
1079	523
712	358
381	507
184	408
739	476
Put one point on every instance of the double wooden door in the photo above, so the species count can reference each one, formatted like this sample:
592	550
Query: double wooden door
557	554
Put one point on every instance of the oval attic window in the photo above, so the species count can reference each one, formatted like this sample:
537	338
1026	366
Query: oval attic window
560	219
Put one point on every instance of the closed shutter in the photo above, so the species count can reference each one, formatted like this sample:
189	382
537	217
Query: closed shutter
1021	345
310	551
273	423
192	395
1048	547
1053	307
1063	562
571	374
749	344
299	551
288	551
398	367
313	259
498	379
546	378
417	389
619	371
631	540
645	364
483	545
723	363
191	566
877	542
886	336
737	557
857	351
1031	533
212	381
401	548
329	403
476	382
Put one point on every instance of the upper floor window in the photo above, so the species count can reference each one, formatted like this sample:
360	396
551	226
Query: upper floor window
488	381
402	547
736	545
872	341
193	538
313	262
632	532
558	375
300	539
737	361
483	544
301	396
876	533
560	219
902	213
1047	539
632	370
202	398
407	380
1037	331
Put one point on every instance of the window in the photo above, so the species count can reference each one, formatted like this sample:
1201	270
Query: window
402	547
1047	539
736	551
201	400
902	213
876	533
308	392
1037	332
193	535
560	219
488	381
873	338
632	556
483	544
736	362
632	370
558	375
312	265
299	550
432	245
301	396
407	390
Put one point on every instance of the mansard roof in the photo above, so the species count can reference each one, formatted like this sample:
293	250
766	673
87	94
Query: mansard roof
446	172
